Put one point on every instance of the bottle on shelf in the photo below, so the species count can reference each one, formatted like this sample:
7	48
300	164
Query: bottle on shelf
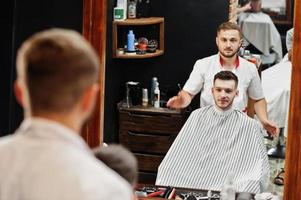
120	10
131	41
144	97
157	96
153	87
132	5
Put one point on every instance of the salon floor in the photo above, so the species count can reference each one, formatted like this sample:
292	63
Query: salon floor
276	165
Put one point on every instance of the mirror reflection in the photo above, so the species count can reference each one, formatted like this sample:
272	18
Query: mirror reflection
200	159
153	129
280	11
273	6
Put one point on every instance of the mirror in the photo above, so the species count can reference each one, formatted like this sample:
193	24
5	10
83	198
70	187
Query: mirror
94	25
277	7
280	11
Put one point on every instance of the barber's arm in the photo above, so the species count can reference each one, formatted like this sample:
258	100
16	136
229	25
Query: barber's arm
260	107
182	100
244	8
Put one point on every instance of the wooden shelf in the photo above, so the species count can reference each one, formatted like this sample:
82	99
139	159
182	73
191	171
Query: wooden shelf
147	55
157	21
140	21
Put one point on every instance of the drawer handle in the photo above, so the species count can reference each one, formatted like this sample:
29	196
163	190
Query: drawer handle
148	134
147	116
135	115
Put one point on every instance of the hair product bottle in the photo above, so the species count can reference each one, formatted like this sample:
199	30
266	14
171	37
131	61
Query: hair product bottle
130	41
157	96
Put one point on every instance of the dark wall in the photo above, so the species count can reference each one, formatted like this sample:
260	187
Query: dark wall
6	19
190	30
22	19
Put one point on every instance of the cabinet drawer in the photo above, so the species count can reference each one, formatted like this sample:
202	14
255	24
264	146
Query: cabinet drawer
146	143
169	124
148	163
147	177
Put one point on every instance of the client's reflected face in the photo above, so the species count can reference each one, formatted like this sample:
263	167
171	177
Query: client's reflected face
228	42
224	92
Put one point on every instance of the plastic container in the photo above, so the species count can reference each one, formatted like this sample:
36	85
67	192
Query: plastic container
157	96
144	97
118	14
130	41
120	10
153	87
132	4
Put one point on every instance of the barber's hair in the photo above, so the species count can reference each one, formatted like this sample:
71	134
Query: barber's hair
229	26
56	65
119	159
226	76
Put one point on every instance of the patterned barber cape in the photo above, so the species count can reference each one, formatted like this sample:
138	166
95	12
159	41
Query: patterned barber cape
212	144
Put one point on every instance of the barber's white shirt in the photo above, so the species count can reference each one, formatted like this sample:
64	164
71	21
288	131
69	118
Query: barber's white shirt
45	160
202	75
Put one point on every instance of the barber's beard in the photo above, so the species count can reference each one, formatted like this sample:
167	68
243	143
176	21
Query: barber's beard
228	55
233	54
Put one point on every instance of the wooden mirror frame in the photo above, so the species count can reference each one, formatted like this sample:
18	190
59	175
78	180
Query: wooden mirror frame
292	178
94	29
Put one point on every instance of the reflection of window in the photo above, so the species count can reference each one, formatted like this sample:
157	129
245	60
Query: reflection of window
278	6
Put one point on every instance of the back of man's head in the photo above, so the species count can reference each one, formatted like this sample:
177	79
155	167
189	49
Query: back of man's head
119	159
256	5
56	66
226	76
229	26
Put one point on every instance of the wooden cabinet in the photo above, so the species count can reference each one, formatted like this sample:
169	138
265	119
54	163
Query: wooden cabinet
151	28
149	132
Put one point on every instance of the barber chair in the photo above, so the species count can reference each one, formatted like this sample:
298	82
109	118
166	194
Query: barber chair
266	60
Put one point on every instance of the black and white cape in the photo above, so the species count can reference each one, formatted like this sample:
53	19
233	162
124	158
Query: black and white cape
212	144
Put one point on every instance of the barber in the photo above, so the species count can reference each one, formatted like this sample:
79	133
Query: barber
228	41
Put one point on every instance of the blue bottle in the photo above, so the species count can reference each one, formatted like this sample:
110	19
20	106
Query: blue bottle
131	41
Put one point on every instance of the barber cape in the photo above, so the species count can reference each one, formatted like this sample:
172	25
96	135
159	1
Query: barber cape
213	144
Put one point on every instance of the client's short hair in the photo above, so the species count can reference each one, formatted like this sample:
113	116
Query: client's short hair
119	159
226	76
56	65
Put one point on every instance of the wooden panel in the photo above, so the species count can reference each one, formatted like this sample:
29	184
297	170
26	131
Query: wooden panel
146	143
149	133
292	184
151	123
140	21
136	56
148	162
94	30
147	177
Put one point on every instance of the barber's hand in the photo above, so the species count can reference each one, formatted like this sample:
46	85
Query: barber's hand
175	102
271	128
289	55
182	100
246	7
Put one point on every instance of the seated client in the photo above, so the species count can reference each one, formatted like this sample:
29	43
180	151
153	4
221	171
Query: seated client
215	141
120	160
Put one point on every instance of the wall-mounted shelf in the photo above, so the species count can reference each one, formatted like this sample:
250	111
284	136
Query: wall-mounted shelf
153	26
